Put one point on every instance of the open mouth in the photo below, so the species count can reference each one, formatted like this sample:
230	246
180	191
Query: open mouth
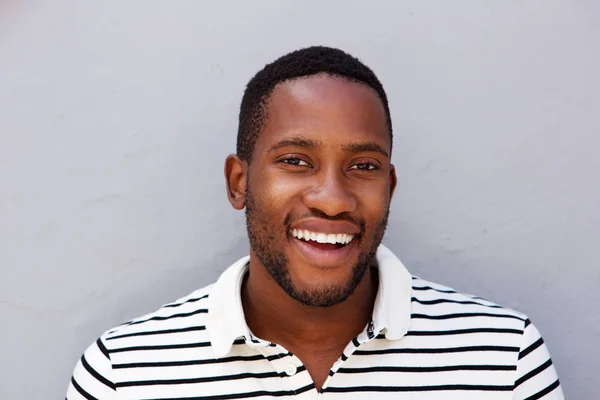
324	250
323	241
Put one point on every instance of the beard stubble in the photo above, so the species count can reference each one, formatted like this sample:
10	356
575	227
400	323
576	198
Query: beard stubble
263	239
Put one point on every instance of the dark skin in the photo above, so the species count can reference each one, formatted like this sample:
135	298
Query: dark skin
322	158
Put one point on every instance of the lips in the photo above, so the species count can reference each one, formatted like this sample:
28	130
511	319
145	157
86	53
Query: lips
324	243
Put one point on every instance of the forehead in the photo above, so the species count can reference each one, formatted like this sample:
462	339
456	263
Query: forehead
327	108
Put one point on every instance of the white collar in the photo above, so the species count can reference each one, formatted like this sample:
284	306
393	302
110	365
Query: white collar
391	311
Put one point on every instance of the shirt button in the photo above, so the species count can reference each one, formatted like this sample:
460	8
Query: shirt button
291	370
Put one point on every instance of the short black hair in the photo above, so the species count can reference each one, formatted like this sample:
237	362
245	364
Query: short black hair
300	63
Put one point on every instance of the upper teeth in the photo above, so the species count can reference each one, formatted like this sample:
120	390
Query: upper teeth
334	238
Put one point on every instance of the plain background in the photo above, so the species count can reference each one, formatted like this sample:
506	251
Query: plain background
116	117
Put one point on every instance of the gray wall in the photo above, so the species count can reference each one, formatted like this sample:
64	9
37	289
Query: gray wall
115	119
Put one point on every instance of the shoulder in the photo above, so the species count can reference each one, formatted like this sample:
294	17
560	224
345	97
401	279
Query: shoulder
460	323
446	315
99	371
427	295
187	313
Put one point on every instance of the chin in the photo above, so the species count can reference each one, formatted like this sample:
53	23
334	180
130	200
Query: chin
316	277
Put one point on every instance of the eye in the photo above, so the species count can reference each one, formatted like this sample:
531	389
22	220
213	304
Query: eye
295	161
366	166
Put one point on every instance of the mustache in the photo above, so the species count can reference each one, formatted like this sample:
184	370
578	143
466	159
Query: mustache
319	214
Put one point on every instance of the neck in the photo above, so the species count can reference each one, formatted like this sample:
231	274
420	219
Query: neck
273	315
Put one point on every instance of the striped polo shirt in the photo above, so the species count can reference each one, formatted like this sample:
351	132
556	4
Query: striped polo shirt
424	341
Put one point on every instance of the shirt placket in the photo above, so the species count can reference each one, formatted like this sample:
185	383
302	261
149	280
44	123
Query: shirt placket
289	367
368	334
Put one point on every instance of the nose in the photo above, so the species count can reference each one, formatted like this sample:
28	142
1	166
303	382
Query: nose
330	194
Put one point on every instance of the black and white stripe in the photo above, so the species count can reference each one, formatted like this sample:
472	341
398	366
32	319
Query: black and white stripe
457	347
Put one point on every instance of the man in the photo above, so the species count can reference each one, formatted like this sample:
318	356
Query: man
319	308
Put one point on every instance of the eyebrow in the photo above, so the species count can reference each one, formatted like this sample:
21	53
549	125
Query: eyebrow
296	142
363	147
313	144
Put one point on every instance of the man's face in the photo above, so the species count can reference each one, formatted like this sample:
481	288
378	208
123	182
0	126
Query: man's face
320	173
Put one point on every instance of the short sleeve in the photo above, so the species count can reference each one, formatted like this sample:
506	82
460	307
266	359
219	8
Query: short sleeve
91	378
536	376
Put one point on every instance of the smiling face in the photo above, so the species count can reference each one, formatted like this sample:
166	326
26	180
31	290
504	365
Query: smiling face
319	186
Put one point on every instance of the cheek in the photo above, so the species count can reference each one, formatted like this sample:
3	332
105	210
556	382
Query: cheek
281	186
276	195
374	203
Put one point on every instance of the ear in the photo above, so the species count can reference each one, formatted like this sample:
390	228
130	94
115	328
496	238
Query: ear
236	175
393	180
